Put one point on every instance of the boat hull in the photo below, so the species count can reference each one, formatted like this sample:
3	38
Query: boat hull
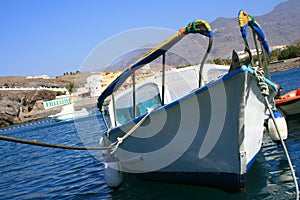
292	109
289	103
70	116
209	137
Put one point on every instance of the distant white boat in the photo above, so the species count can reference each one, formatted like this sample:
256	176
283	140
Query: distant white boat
68	113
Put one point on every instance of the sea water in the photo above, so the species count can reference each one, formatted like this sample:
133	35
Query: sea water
33	172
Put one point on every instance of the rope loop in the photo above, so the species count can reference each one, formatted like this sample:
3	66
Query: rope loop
259	74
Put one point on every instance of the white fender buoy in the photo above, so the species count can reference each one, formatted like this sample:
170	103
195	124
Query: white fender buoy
281	124
112	172
112	166
104	142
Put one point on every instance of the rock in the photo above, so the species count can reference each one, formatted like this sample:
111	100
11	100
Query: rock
17	107
9	111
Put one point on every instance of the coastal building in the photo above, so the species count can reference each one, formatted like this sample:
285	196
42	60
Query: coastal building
280	47
107	78
37	77
96	84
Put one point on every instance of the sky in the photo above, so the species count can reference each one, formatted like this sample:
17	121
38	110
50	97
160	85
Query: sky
56	36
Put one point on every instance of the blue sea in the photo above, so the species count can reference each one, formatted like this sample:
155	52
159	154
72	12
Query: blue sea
33	172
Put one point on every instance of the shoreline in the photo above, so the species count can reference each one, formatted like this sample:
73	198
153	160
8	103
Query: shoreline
284	65
90	103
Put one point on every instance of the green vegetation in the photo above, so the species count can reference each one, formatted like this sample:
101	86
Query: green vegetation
291	51
220	61
71	87
71	73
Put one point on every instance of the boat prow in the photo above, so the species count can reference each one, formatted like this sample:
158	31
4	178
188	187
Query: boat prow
185	126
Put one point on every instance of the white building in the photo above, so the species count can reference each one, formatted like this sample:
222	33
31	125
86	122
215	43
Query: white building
37	77
94	85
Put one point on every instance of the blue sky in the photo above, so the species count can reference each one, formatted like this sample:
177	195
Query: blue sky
55	36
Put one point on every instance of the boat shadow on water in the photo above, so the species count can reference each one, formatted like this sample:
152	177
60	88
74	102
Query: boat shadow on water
136	188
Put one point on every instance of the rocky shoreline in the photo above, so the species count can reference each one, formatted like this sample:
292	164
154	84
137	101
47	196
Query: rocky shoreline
19	107
285	65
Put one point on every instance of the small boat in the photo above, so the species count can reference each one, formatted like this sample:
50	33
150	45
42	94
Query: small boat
196	129
68	113
289	103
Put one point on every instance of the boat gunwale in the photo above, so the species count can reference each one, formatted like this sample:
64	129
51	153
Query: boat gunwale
242	69
286	99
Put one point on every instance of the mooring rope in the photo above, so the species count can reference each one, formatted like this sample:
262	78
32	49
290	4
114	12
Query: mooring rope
42	144
36	143
284	148
265	92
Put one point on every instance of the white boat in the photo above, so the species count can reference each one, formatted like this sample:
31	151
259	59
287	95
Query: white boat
68	113
193	130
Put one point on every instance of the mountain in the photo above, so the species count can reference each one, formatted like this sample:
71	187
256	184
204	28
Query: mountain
281	27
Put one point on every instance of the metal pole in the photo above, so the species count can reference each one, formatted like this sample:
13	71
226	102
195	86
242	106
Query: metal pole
114	108
203	60
163	78
247	48
257	50
266	70
133	95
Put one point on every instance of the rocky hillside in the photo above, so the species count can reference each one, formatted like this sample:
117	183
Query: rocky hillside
59	81
281	27
23	106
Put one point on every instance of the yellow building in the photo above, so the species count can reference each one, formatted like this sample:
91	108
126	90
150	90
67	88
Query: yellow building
107	78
